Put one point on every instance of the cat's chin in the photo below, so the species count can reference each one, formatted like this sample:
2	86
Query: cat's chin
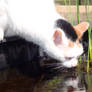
70	63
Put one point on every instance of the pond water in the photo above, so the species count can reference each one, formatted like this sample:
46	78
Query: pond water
12	80
22	70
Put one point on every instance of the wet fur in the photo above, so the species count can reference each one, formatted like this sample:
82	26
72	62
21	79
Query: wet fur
38	22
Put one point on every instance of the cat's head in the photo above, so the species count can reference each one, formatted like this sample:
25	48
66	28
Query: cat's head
67	41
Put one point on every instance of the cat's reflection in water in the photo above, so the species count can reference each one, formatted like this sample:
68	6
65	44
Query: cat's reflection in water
73	84
62	83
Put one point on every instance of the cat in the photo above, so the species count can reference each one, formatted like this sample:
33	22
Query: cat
37	21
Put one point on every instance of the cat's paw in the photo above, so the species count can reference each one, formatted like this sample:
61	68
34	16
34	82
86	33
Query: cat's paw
1	34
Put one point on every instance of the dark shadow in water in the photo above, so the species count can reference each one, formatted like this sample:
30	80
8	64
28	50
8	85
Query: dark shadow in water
22	55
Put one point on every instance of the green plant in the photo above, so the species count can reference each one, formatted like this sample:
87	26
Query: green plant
89	35
78	12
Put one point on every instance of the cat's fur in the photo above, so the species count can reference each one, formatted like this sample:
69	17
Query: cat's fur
37	21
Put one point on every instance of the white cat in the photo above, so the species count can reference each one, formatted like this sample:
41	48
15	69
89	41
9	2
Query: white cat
38	21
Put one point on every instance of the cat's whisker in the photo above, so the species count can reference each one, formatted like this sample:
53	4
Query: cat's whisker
52	65
58	67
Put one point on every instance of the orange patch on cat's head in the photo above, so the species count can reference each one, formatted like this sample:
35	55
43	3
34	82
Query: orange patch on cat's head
81	28
71	44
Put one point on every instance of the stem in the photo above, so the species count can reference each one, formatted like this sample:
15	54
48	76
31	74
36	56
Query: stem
78	13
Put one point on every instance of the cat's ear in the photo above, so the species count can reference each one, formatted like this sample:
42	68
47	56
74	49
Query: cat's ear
81	28
57	37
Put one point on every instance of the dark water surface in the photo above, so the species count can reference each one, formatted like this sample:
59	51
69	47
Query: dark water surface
11	80
22	70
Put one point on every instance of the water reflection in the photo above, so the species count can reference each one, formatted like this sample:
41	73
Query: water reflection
12	81
22	71
20	54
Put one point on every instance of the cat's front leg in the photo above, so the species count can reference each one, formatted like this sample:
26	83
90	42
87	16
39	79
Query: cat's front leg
3	23
1	34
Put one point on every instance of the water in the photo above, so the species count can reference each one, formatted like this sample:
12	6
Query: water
22	70
12	80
